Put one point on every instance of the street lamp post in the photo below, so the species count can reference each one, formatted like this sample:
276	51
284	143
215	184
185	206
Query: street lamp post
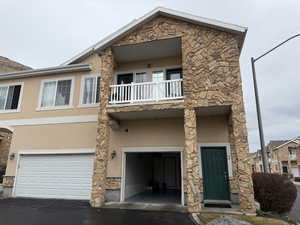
259	120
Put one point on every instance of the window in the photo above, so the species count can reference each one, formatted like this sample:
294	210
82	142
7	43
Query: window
284	169
91	90
10	97
56	93
291	152
141	77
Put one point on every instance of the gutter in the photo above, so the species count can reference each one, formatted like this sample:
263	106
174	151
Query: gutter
47	71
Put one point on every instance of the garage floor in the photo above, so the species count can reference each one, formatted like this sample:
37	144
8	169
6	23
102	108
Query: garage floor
63	212
170	197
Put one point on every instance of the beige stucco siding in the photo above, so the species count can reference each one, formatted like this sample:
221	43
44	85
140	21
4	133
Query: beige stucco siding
48	137
162	133
30	99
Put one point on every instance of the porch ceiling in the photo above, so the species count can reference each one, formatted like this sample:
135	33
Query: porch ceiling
148	114
148	50
213	110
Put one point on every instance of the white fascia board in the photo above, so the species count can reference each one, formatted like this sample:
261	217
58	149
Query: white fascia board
163	11
47	71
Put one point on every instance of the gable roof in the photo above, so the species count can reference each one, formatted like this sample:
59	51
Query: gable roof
287	142
147	17
8	65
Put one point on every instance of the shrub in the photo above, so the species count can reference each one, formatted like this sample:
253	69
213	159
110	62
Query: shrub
274	192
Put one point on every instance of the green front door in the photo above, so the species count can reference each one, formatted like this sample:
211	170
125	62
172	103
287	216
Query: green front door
215	173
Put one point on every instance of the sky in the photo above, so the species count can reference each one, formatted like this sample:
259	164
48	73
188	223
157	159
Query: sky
47	33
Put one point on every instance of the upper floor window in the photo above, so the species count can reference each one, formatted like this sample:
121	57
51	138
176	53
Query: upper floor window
90	93
56	93
10	97
291	152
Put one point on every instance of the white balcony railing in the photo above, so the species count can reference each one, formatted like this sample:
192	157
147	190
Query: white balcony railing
146	91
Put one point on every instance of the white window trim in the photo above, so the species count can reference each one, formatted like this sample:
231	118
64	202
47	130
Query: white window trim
148	71
228	151
39	108
20	97
81	105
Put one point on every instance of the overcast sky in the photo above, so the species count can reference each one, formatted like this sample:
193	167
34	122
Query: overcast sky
47	33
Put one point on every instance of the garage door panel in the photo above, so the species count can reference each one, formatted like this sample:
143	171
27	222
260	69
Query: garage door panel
55	176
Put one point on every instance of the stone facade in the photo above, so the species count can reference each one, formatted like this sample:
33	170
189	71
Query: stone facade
191	158
211	77
4	147
102	148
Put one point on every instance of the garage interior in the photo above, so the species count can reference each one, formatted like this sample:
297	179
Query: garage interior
153	178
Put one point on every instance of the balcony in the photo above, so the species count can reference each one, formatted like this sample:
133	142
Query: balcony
139	93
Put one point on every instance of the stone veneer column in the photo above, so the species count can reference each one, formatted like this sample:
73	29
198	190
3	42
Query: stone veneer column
191	161
239	146
103	130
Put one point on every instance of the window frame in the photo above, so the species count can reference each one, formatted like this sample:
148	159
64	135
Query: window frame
82	84
18	109
147	70
70	105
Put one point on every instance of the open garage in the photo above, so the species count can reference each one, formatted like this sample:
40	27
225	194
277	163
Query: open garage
152	177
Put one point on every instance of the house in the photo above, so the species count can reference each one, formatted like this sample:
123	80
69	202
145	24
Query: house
152	113
283	157
7	65
287	157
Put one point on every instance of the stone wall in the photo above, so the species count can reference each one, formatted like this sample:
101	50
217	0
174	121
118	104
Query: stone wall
102	148
211	77
4	147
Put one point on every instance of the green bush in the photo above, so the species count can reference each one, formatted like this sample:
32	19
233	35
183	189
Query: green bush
274	192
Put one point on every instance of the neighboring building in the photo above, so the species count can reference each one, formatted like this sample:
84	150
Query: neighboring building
283	157
287	157
155	109
6	65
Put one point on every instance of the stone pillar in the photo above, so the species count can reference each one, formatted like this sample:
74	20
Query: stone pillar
191	161
239	145
103	130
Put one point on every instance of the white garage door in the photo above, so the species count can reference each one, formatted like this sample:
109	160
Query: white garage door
295	171
55	176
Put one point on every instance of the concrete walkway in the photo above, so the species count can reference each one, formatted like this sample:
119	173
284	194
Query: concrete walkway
61	212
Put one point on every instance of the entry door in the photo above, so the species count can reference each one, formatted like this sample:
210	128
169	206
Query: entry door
215	173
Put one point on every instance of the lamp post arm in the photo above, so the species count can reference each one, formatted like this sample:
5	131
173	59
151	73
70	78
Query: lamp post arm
277	46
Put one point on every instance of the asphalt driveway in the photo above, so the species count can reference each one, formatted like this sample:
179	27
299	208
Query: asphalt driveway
61	212
295	212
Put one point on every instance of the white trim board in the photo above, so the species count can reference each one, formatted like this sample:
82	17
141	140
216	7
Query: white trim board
149	150
48	120
56	151
228	151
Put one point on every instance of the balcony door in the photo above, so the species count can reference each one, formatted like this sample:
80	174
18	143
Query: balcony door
124	92
159	88
173	74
